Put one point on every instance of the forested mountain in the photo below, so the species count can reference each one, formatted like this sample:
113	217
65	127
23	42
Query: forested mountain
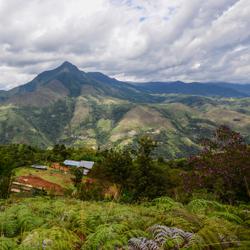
69	106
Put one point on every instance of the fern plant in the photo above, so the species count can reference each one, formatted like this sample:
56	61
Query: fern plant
216	234
202	206
142	244
7	244
50	239
166	203
163	237
18	219
110	236
59	224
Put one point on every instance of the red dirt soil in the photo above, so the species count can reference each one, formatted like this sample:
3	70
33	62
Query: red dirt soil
36	181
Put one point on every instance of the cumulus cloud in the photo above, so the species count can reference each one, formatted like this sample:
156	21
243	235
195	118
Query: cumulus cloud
139	40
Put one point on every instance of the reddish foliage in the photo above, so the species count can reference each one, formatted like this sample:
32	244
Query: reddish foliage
223	167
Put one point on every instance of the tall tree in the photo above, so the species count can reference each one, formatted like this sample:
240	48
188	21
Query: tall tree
151	180
117	167
11	157
77	176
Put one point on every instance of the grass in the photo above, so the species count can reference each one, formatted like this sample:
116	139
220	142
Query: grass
104	125
51	175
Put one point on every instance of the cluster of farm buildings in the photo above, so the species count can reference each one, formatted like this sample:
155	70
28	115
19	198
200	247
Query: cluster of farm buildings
21	186
67	164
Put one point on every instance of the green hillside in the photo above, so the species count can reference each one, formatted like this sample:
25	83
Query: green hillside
66	105
178	123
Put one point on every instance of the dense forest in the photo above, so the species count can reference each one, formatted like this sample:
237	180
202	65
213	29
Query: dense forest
132	199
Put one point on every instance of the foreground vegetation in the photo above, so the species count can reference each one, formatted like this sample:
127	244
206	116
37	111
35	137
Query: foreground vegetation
131	199
44	223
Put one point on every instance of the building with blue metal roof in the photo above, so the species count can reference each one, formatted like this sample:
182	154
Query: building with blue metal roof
86	165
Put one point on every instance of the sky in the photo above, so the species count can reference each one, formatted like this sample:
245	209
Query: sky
132	40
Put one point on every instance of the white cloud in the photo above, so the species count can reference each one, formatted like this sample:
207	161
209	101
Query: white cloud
191	40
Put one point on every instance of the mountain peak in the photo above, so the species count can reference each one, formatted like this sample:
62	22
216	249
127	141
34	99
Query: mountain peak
67	63
67	66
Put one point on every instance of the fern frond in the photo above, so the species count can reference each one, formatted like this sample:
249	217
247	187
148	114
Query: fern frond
167	203
227	216
202	206
162	234
218	233
142	244
7	244
53	238
134	233
193	221
106	234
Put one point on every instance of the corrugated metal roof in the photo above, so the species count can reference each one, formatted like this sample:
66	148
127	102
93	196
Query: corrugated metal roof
72	163
39	166
87	164
83	164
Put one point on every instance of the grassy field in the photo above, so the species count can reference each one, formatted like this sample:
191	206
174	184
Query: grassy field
63	224
51	175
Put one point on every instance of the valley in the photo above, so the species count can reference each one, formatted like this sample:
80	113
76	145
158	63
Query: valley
68	106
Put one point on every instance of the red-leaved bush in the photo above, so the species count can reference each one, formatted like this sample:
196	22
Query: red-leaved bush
223	167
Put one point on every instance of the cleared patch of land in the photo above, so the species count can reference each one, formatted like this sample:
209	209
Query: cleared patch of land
56	177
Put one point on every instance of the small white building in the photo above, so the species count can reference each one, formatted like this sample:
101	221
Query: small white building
86	165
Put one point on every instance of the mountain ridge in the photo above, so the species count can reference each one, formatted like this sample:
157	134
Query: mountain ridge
77	78
196	88
68	80
77	108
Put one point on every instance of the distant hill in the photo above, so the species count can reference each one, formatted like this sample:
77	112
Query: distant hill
67	105
196	88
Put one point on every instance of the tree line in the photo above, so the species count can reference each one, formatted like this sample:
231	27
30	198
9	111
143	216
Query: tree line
221	171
